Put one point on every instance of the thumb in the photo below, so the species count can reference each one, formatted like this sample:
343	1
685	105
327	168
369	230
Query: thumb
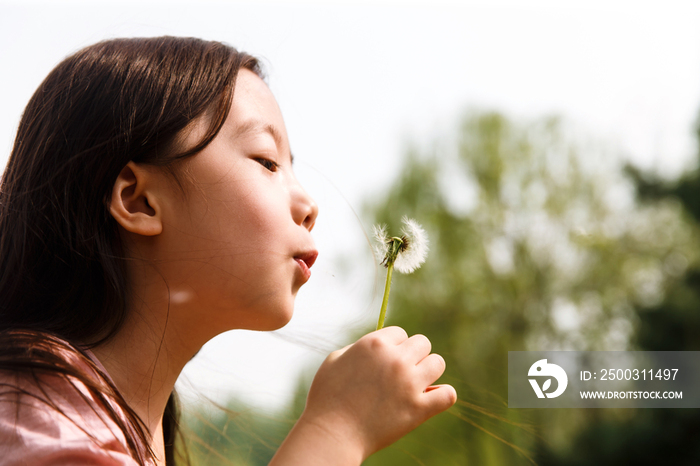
338	353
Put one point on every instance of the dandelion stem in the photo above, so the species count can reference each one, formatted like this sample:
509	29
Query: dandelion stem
385	301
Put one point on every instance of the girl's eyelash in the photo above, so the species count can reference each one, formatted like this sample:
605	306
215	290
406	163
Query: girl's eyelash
267	163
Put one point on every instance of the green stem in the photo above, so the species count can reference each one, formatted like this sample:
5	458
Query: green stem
385	301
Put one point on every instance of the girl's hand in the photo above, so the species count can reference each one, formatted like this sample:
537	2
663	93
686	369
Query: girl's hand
373	392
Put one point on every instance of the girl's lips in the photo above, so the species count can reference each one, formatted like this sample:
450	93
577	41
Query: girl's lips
305	261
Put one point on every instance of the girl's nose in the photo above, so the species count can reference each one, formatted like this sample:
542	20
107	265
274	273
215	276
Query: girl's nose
304	208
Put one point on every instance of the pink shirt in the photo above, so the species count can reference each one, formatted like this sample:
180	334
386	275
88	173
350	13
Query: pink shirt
34	433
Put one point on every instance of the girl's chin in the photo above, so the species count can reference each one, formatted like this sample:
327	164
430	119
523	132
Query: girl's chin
268	316
267	326
272	321
282	321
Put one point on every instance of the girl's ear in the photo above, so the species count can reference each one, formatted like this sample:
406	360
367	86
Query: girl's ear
134	204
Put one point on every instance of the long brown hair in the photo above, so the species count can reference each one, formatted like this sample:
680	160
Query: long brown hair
62	265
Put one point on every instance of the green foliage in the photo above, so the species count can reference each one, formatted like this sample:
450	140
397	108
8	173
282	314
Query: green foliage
236	434
233	435
547	248
658	436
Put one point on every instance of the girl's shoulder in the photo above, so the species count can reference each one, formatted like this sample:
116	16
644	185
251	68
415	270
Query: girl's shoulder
53	417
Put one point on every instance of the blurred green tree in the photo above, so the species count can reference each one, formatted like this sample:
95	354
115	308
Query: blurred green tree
236	434
233	435
538	243
655	436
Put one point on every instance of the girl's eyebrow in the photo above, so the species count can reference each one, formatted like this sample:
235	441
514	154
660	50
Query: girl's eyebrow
257	127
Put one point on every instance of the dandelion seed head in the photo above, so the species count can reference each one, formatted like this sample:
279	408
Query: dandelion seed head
416	247
381	241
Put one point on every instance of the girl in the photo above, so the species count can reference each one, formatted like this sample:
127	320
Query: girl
146	208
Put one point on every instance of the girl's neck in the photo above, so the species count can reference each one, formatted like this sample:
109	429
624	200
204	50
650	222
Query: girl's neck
145	357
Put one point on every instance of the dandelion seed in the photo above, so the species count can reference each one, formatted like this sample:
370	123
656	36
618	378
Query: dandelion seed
381	245
406	253
416	250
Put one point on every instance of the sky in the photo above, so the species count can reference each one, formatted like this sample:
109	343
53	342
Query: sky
358	83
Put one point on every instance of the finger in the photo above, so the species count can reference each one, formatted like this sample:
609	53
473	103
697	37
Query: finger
395	335
431	368
438	398
416	348
339	352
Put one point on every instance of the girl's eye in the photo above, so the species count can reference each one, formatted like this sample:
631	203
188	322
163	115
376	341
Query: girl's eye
267	163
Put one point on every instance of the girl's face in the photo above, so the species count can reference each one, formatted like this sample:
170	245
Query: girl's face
237	247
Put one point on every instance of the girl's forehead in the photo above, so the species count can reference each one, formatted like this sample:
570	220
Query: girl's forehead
254	110
252	99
